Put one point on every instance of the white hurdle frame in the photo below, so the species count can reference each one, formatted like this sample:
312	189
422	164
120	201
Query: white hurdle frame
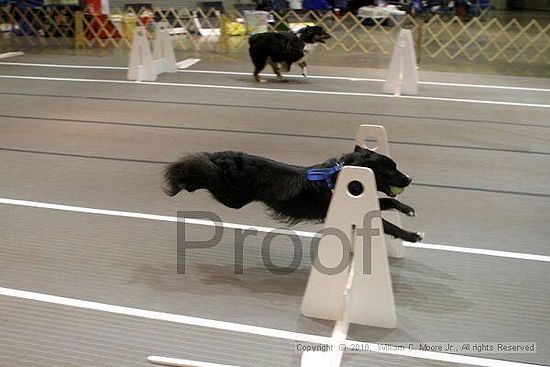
362	293
144	66
347	297
402	77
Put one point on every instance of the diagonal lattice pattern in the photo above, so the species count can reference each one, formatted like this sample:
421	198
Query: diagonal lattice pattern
491	41
199	29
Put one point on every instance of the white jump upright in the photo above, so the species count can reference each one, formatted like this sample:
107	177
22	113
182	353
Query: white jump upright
143	65
374	137
402	75
361	292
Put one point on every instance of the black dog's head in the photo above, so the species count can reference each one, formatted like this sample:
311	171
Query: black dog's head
389	179
313	34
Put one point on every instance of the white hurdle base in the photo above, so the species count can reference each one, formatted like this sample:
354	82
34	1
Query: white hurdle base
11	54
143	65
374	137
402	75
334	357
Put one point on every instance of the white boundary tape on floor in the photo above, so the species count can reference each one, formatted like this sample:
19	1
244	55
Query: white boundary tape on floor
276	90
344	78
166	218
184	64
254	330
5	55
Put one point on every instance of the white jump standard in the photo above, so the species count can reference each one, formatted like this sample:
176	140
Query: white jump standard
143	65
362	293
402	75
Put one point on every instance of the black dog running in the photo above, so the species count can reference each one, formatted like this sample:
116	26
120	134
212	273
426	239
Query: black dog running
291	193
281	50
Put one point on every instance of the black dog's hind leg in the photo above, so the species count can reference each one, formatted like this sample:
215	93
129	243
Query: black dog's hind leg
277	70
395	231
259	62
391	203
232	198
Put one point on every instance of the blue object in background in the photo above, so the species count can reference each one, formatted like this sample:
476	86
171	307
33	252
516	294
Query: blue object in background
316	5
27	4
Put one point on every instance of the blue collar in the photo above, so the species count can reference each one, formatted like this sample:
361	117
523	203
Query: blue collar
324	174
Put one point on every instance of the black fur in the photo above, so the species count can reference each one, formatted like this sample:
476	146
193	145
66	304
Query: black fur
236	179
281	50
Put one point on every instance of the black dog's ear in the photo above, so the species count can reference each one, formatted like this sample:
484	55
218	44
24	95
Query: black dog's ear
302	30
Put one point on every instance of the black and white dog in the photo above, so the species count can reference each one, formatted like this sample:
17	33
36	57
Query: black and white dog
281	50
292	193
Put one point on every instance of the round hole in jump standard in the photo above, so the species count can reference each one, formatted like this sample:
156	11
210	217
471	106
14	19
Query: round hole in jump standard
355	188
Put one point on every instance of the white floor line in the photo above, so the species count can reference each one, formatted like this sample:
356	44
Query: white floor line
5	55
187	63
166	218
96	67
276	90
465	85
250	329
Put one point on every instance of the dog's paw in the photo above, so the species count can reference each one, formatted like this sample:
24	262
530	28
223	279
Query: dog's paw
411	213
419	236
414	236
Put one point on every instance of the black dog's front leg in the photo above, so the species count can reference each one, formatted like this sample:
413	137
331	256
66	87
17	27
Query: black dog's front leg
391	203
395	231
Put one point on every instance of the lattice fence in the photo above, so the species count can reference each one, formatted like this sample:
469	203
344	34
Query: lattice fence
350	33
488	41
199	30
66	27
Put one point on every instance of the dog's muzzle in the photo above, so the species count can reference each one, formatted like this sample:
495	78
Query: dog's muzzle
321	38
396	190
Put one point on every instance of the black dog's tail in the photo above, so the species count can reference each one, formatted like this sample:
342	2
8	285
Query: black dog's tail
190	173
